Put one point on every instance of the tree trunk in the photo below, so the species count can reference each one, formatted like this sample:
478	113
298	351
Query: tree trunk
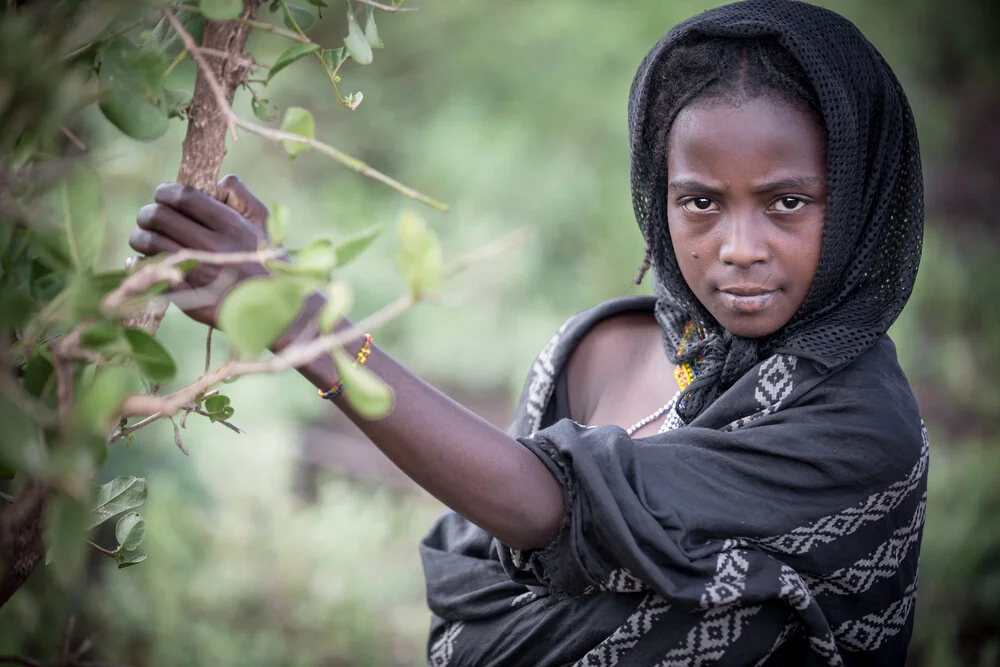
205	143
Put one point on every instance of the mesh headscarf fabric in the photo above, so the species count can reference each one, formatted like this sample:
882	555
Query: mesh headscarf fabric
873	227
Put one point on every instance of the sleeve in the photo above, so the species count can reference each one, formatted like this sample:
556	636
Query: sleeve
665	507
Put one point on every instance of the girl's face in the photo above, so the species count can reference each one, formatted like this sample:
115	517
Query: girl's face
745	207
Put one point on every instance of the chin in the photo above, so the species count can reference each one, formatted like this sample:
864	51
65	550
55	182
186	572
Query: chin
749	327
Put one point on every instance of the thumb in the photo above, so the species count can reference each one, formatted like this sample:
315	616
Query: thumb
232	192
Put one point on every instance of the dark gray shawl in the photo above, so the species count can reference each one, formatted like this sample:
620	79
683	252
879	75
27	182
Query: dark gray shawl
781	526
779	521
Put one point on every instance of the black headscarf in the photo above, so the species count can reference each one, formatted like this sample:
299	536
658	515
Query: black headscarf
873	227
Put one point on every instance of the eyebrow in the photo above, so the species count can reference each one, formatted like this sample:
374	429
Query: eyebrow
787	184
771	186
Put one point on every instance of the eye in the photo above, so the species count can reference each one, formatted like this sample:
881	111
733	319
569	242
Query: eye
699	205
788	204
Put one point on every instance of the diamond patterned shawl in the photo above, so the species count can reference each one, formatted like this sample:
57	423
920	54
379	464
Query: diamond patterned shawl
781	526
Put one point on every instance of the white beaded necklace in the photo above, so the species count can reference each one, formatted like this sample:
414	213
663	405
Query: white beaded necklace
645	420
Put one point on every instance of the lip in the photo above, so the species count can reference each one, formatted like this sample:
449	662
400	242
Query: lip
746	299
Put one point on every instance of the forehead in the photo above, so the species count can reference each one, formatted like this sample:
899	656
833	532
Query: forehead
760	134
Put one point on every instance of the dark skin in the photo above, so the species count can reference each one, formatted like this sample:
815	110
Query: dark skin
747	194
617	375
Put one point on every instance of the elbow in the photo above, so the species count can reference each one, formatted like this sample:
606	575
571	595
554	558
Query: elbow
540	527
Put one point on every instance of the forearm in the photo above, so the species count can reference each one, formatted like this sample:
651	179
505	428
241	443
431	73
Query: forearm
463	460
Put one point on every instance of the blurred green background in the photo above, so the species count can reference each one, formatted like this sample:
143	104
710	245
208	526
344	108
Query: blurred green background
295	543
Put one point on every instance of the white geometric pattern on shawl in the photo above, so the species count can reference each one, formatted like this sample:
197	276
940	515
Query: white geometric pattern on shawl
543	374
623	581
790	628
774	384
442	650
793	590
730	579
835	526
826	646
869	632
707	642
618	643
523	599
882	563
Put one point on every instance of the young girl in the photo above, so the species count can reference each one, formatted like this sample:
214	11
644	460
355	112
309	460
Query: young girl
732	471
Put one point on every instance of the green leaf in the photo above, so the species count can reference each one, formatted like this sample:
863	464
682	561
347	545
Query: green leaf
133	115
333	57
371	32
19	447
356	43
226	414
365	392
130	530
216	403
318	258
419	259
71	236
66	521
339	299
318	3
298	121
129	562
277	223
121	494
98	402
221	10
264	109
257	312
355	244
290	55
176	102
303	17
153	360
101	334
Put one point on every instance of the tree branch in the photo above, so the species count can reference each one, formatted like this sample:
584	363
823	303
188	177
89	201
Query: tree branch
279	135
157	407
386	8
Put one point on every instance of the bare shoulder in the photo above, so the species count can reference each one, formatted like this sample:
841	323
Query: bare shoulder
609	350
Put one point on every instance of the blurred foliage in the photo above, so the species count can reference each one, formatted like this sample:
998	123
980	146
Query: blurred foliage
513	113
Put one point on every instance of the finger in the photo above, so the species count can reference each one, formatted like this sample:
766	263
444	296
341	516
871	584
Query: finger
167	222
204	210
232	192
151	243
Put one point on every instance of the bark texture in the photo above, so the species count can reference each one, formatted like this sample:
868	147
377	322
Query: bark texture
205	143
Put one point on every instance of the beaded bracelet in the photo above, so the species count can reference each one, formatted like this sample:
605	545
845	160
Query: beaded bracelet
338	389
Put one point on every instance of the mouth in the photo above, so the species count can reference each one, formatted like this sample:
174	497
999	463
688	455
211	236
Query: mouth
746	299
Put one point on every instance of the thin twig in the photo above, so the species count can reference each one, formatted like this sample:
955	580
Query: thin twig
332	76
177	438
80	50
208	349
386	8
72	137
106	552
278	135
156	407
259	25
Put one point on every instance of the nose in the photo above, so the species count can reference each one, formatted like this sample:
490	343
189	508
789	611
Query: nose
744	243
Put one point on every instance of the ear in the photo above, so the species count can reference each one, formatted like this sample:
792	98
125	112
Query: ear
231	191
